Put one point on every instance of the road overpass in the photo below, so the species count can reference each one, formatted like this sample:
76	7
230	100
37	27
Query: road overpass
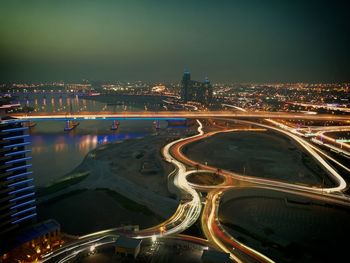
171	115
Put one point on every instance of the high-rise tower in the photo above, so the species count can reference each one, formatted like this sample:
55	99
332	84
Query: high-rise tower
195	90
17	197
208	91
186	86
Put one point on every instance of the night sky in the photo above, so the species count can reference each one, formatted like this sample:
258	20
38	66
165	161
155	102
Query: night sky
127	40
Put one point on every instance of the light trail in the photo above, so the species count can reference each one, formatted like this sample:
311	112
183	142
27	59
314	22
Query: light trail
215	230
310	149
72	248
233	106
326	129
187	213
332	140
85	248
322	106
281	186
42	116
320	133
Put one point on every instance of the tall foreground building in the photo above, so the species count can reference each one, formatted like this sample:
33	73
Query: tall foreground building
21	237
192	90
17	197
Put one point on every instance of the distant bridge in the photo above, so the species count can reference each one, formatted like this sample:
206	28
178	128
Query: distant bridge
173	115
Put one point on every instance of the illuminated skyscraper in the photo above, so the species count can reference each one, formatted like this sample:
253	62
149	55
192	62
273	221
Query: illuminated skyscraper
195	90
17	196
186	86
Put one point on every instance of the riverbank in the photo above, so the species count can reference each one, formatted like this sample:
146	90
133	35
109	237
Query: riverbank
113	178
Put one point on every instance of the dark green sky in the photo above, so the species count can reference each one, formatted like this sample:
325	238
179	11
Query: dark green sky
241	41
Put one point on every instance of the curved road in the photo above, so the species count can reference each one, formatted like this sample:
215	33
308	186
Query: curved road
190	207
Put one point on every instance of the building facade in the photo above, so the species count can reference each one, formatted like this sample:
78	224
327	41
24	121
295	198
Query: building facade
17	192
197	91
128	247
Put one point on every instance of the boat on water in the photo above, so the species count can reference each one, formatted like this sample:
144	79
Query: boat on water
115	125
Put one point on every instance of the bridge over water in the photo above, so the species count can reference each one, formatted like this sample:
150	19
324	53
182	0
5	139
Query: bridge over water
173	115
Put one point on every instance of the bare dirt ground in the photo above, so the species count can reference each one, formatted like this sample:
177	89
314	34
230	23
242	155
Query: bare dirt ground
131	172
205	178
260	154
287	227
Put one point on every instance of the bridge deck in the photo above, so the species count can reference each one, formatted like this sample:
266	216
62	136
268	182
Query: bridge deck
172	115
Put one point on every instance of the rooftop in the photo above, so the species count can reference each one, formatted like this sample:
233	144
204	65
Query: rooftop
127	242
31	233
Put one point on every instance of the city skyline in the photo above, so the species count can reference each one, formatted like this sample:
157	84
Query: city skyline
174	131
240	41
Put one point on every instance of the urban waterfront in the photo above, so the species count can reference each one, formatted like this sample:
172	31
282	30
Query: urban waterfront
174	131
55	152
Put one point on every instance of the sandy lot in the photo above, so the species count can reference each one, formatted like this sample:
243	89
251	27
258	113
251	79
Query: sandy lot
133	169
260	154
286	227
205	178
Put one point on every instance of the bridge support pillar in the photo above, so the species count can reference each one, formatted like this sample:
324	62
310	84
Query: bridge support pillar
70	125
115	125
156	124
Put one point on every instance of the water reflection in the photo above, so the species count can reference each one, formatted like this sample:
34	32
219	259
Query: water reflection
56	155
66	102
55	152
55	102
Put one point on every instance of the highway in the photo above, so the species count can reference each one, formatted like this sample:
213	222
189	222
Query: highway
319	133
210	225
188	211
322	106
70	251
190	207
342	145
45	116
186	214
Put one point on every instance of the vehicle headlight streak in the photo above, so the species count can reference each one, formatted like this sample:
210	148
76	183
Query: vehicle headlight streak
191	210
188	213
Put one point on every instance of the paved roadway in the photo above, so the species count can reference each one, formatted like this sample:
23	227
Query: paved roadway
295	131
189	210
187	213
42	116
190	207
211	227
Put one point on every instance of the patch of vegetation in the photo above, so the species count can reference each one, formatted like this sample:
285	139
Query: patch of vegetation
62	184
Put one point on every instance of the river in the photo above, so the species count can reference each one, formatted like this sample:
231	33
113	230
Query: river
56	152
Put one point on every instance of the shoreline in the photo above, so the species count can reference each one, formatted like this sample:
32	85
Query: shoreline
116	168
